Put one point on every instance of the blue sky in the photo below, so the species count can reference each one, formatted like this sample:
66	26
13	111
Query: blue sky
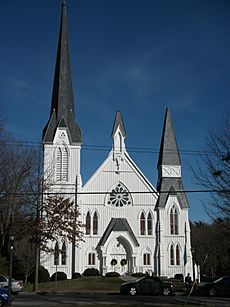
133	56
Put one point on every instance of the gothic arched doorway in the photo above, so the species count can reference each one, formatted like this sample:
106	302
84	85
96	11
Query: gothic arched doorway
119	256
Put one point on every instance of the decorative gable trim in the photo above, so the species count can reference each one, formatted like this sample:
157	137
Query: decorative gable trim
117	224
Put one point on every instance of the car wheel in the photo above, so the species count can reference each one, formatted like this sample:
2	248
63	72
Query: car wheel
166	291
132	291
212	292
1	302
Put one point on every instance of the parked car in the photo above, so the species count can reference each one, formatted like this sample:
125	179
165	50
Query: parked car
17	285
219	287
148	285
3	297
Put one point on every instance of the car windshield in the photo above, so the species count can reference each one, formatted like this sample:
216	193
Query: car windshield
140	279
152	278
219	279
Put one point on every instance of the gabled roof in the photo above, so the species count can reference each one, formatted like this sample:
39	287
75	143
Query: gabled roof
171	186
117	224
130	164
118	122
169	153
62	105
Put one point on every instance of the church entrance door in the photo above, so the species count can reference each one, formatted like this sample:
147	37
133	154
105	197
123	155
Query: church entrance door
119	256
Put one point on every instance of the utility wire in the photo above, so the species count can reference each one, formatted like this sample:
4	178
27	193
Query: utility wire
93	147
109	192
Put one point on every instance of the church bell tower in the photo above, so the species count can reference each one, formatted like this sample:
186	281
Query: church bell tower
62	136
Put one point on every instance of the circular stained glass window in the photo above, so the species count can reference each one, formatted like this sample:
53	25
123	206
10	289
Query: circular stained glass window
119	197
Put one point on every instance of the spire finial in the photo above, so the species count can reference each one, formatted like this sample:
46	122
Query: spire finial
64	2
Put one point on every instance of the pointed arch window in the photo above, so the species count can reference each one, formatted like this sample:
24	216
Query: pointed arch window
146	259
95	224
91	259
142	224
88	224
177	255
65	165
58	164
150	224
56	254
63	254
62	163
172	262
174	221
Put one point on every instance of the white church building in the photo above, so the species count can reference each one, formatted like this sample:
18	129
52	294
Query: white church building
130	225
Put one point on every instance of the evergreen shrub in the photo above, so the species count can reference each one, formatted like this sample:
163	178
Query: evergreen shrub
76	275
60	276
112	274
43	275
91	272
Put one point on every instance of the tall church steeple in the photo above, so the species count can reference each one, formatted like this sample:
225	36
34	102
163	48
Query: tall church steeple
169	166
62	106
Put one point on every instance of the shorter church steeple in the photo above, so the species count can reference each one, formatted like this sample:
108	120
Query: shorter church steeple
118	134
169	153
169	166
62	106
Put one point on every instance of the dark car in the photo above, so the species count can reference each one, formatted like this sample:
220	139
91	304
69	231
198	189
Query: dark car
148	285
219	287
3	297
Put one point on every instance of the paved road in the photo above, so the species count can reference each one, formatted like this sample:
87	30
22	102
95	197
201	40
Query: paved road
110	299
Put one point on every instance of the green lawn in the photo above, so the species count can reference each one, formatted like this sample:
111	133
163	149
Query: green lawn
90	284
99	283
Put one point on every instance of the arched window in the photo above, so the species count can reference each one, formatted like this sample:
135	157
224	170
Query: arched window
172	262
88	224
91	259
174	221
177	255
62	164
56	254
59	165
95	223
65	165
142	224
119	196
150	224
63	254
146	259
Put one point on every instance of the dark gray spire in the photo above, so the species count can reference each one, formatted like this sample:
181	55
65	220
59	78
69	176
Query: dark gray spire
62	105
169	153
119	122
169	156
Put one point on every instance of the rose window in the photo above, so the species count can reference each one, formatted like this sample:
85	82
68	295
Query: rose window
119	197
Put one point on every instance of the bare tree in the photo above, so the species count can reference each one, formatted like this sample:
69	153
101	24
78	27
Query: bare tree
213	173
35	221
47	216
60	218
15	167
